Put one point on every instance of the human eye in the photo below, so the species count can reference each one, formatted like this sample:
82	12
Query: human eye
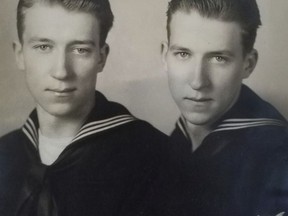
81	51
182	55
42	48
219	59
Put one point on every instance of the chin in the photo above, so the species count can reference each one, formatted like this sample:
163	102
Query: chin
198	119
61	114
60	110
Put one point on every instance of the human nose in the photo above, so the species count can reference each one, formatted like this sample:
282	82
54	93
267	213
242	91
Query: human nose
60	70
199	75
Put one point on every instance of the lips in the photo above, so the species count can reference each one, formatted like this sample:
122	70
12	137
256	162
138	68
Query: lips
61	91
199	100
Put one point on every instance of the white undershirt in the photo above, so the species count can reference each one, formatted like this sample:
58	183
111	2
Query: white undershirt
51	148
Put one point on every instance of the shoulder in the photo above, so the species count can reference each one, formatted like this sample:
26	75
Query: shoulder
12	148
251	105
9	140
143	128
142	133
12	170
136	129
254	122
118	127
265	137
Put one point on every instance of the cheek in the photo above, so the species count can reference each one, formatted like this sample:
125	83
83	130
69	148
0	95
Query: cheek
177	66
34	77
35	84
227	88
180	71
174	79
87	79
176	86
178	78
226	77
83	66
36	67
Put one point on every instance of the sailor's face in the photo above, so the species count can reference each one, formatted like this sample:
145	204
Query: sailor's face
61	57
205	65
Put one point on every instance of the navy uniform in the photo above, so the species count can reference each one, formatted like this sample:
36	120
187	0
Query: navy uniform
106	170
241	167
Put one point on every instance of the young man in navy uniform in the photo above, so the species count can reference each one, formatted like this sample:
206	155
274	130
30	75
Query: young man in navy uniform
235	143
77	153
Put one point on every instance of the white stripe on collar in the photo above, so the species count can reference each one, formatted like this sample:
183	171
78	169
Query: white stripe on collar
98	126
251	120
30	130
235	124
109	120
88	129
182	126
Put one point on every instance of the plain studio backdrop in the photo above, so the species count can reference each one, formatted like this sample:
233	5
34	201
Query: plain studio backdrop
134	75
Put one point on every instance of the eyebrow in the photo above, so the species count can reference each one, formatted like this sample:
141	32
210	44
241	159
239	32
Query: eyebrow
222	52
38	39
218	52
74	42
176	47
82	42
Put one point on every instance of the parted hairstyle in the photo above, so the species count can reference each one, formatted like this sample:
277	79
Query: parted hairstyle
244	12
99	8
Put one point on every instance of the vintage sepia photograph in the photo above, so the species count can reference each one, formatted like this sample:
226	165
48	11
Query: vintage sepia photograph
143	108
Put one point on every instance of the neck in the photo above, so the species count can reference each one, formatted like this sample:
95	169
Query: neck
197	133
60	126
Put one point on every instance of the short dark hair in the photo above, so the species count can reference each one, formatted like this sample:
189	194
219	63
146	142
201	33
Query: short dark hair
244	12
99	8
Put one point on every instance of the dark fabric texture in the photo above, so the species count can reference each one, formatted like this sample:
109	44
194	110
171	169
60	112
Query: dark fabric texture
236	171
105	174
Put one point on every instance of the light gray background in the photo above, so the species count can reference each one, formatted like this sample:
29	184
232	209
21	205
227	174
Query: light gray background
133	74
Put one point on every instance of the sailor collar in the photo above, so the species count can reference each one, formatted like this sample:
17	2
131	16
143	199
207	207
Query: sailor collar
104	116
249	111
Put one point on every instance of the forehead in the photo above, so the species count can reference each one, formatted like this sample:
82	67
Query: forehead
192	29
56	22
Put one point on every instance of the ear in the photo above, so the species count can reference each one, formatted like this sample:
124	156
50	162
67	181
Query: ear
18	52
250	63
164	51
104	51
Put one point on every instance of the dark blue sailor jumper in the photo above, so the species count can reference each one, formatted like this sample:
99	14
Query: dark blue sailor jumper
241	167
105	171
